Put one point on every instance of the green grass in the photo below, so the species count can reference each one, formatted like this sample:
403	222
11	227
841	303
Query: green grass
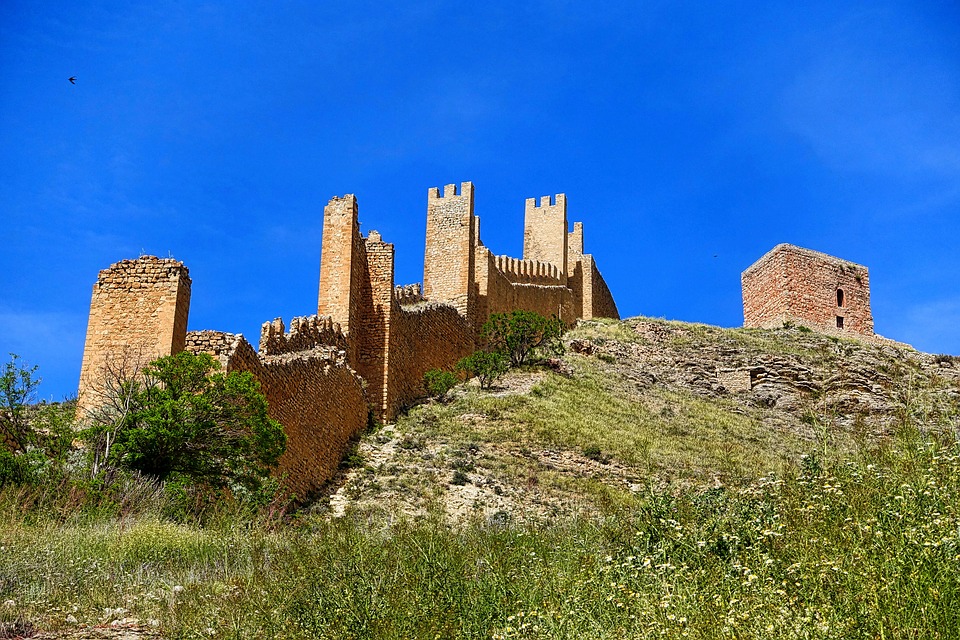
663	431
860	538
863	547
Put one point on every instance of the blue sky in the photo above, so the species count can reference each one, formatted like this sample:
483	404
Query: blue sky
689	137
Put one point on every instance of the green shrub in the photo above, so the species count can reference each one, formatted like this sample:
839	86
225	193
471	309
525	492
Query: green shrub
487	366
18	388
519	333
21	468
438	382
188	421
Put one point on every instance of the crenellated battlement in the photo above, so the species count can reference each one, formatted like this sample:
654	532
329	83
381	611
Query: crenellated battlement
549	204
408	294
529	271
450	191
306	332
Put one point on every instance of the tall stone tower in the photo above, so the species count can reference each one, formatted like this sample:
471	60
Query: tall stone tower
340	255
793	284
448	261
138	313
545	231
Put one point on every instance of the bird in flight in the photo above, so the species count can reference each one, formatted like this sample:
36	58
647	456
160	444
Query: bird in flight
72	79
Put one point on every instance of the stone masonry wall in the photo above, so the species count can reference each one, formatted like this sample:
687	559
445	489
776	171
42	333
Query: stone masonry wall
317	398
340	229
809	287
591	296
374	323
138	312
766	293
321	404
545	231
496	293
602	302
424	337
305	333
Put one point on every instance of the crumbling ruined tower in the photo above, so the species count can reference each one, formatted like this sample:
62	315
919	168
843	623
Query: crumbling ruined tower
138	312
792	284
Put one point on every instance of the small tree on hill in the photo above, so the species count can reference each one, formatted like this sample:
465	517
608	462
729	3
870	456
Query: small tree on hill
487	366
18	388
438	383
186	419
518	333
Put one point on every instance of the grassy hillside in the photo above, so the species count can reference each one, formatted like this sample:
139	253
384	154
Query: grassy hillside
624	492
638	405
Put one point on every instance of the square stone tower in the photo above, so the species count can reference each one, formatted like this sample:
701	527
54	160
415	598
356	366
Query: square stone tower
545	231
138	313
792	284
452	234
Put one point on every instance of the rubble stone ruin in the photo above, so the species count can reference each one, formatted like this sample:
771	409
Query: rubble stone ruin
368	346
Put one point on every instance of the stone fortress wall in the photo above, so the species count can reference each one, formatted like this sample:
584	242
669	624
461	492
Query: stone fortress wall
792	284
368	347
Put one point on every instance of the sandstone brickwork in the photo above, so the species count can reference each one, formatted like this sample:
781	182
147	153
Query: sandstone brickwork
592	297
545	231
138	312
452	231
317	398
792	284
305	334
368	347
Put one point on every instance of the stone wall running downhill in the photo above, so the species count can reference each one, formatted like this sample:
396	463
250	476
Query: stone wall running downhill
424	337
317	398
371	341
602	304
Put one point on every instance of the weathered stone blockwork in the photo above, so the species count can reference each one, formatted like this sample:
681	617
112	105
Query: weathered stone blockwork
545	231
592	297
371	342
791	284
500	292
138	312
317	398
452	232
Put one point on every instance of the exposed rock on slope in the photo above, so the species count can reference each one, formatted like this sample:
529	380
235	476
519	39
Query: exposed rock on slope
646	402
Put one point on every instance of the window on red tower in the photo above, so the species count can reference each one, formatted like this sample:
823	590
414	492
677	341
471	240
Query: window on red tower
839	297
